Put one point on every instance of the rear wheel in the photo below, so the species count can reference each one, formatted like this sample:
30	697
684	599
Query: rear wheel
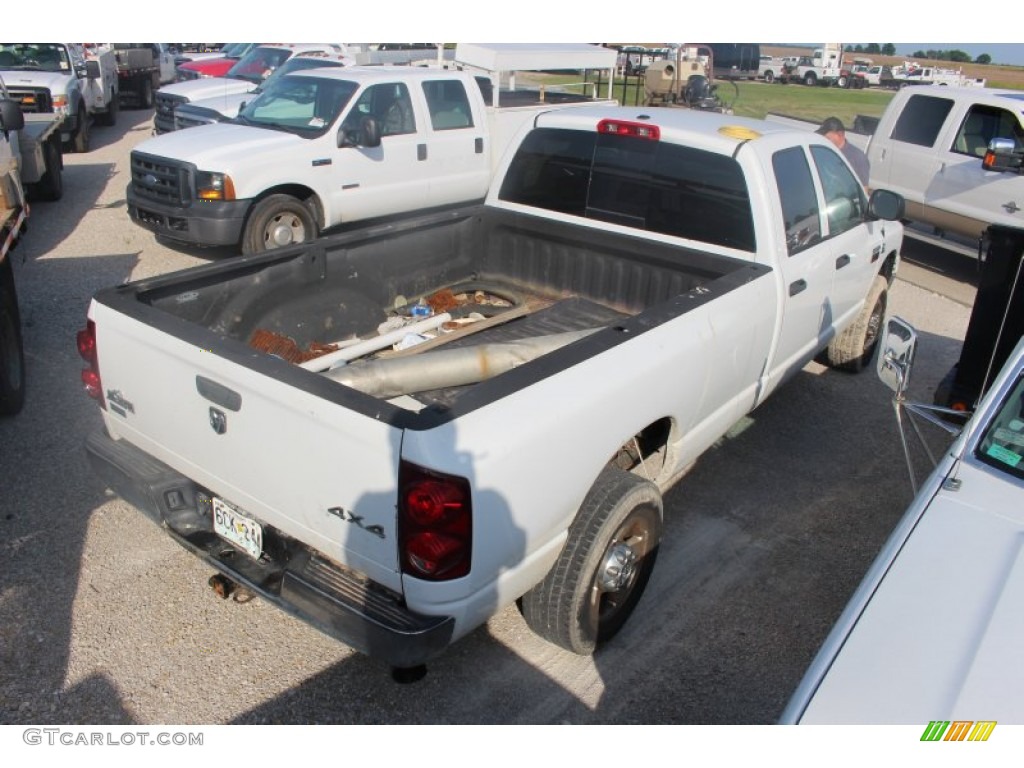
604	567
769	77
80	141
110	116
852	349
810	79
12	353
51	186
276	222
146	93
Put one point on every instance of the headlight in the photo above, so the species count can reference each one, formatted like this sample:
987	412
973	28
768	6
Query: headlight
214	186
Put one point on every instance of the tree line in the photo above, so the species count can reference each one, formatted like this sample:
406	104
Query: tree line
889	49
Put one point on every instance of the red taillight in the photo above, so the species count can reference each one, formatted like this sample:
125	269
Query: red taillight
435	524
86	341
627	128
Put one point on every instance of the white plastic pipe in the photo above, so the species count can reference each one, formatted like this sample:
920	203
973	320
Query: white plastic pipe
369	346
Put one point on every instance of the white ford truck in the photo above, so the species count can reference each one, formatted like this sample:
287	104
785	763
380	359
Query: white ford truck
929	145
325	147
243	77
636	281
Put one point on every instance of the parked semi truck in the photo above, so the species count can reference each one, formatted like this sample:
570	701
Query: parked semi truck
650	275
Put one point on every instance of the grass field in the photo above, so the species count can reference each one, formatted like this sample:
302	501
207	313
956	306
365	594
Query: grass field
755	99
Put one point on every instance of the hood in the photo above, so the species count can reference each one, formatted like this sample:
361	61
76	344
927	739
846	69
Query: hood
208	87
56	82
226	104
942	637
220	146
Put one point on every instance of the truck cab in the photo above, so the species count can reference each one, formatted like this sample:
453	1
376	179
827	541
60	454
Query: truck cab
929	146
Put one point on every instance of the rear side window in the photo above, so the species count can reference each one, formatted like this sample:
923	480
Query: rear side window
800	212
448	104
650	185
921	120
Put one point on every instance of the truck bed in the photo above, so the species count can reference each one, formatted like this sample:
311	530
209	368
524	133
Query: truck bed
560	278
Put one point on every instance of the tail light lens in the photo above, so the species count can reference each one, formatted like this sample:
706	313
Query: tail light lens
86	340
435	524
630	128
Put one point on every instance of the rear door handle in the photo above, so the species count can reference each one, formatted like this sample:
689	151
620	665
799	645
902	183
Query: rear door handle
796	287
842	261
421	151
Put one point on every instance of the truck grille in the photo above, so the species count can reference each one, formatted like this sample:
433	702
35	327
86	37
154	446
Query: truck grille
161	180
165	104
32	99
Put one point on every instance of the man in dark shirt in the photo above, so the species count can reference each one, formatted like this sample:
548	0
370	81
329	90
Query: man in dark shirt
833	130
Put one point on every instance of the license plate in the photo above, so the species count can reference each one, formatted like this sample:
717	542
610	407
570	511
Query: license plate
241	530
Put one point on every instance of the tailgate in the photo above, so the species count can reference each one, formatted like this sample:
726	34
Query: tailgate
308	466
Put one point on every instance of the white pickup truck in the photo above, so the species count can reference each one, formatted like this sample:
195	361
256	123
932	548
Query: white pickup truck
934	632
243	77
326	147
69	80
929	146
640	279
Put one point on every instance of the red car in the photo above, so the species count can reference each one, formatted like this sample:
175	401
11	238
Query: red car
214	67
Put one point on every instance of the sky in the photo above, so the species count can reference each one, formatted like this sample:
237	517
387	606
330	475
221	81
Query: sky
521	21
1001	53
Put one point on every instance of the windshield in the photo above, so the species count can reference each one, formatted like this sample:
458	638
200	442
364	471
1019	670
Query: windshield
303	105
45	57
258	64
297	64
1002	444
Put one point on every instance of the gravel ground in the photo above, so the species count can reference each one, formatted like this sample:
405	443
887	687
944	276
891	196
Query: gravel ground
103	620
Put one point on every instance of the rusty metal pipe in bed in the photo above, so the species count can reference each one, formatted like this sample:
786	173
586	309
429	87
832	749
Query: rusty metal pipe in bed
448	368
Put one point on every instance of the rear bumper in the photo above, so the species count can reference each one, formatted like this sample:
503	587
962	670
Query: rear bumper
297	579
206	224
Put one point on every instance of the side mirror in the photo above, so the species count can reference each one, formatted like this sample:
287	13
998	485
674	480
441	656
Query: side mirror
887	205
92	69
896	356
11	118
1002	155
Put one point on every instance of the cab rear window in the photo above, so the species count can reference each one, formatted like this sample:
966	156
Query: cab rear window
651	185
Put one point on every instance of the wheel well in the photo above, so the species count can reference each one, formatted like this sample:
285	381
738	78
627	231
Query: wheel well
645	452
888	270
300	192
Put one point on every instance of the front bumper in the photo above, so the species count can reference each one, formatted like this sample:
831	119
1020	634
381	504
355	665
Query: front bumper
295	578
207	223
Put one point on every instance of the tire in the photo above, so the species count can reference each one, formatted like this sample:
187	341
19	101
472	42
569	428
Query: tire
769	77
110	116
278	221
843	81
810	79
50	187
853	349
12	352
146	96
80	141
620	521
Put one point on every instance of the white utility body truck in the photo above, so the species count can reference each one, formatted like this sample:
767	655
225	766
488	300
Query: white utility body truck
636	281
30	166
69	80
325	147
